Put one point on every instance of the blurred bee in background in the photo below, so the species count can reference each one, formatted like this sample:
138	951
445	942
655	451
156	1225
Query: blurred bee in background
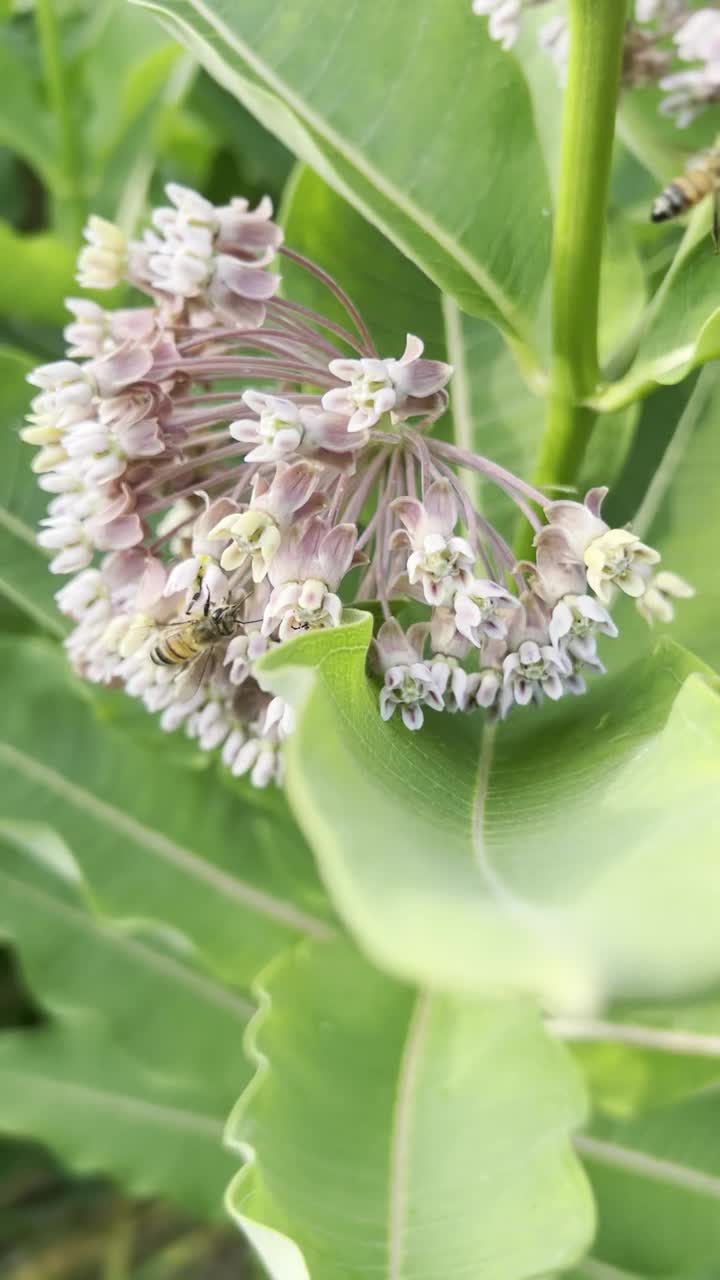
702	178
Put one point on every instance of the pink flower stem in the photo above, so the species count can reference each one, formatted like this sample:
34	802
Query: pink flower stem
287	314
204	368
207	482
339	293
384	513
357	501
250	339
428	468
498	475
190	422
193	464
245	480
369	529
194	441
365	587
338	496
154	546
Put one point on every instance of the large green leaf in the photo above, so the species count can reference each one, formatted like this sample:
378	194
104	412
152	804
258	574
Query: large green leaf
24	576
154	839
37	272
657	1182
24	123
95	1107
678	511
404	1135
351	89
544	859
140	984
681	328
143	1059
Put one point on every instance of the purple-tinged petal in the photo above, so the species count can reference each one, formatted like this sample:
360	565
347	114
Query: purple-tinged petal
594	499
336	551
552	686
441	507
247	281
412	716
410	512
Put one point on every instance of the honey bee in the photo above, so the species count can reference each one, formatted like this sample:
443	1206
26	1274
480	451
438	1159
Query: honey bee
182	642
702	178
188	645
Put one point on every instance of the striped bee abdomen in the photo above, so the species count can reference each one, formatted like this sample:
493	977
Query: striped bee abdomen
178	647
683	193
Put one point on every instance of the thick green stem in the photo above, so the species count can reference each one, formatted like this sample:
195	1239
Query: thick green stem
69	205
596	43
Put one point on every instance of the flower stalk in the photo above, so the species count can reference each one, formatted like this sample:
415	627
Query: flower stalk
596	47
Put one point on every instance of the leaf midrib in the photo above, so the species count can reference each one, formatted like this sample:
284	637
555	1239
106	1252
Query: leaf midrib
121	941
173	1118
630	1160
257	900
401	1131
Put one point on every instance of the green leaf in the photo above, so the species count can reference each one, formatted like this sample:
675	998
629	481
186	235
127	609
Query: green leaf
140	984
332	85
24	123
101	1112
647	1056
122	74
656	1178
154	840
37	272
678	515
452	1160
143	1059
391	293
458	864
681	328
24	576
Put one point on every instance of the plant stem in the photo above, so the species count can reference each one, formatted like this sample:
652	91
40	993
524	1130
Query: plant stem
596	43
68	197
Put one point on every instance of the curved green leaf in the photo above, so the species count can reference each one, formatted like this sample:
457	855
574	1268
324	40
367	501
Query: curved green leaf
544	861
679	515
353	96
101	1113
143	1059
24	123
457	1131
140	985
657	1182
154	839
681	328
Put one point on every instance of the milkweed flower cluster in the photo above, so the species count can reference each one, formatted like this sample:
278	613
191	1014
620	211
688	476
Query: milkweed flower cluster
226	467
660	34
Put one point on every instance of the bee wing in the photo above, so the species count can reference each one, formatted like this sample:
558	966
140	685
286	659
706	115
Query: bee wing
191	675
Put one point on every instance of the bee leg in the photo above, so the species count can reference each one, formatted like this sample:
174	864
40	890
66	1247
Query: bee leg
716	220
196	597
